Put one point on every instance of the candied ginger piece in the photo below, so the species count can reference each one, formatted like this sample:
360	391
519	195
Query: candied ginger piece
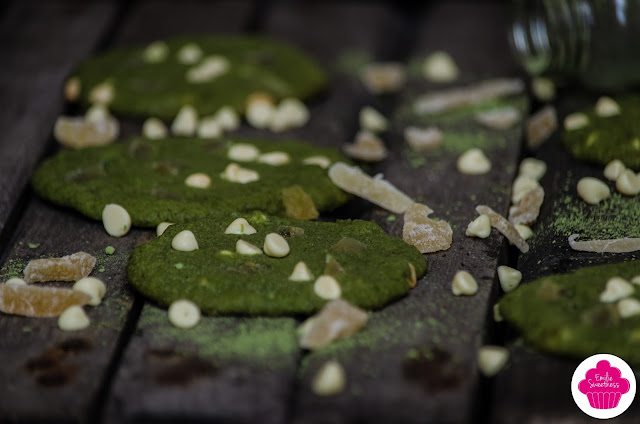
374	189
499	119
366	147
67	268
78	133
442	101
383	77
38	301
527	210
298	204
424	233
621	245
336	320
540	126
505	227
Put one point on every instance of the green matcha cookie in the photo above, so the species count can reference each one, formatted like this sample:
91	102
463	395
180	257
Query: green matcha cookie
605	138
178	180
564	314
205	72
370	267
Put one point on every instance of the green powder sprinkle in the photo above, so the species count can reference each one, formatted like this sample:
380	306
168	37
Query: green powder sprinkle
33	245
109	250
391	218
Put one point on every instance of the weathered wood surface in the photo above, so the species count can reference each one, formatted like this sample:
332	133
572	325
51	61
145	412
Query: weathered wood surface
415	360
41	43
543	381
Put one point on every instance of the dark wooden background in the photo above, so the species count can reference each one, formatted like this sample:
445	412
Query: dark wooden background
131	365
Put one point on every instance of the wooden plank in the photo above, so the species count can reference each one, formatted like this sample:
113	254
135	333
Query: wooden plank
415	359
521	392
31	84
48	374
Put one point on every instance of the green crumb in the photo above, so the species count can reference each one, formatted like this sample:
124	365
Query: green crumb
270	343
109	250
26	329
33	245
179	265
12	268
101	269
473	197
391	218
563	313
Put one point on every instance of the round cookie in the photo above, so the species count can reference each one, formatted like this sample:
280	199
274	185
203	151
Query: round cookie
160	87
371	267
149	179
604	139
563	313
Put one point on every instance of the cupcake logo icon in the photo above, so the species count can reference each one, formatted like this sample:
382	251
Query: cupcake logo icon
603	386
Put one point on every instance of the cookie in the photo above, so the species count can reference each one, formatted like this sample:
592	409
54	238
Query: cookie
609	137
207	72
370	267
166	180
564	313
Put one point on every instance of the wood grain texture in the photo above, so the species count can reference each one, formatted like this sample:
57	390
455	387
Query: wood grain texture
42	42
415	359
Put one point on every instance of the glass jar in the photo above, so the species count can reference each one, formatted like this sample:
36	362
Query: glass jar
596	42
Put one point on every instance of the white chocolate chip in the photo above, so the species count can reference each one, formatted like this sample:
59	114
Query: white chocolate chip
524	230
184	313
156	52
198	180
72	89
372	120
246	248
614	169
102	93
575	121
617	288
473	162
509	278
532	168
78	133
276	246
227	118
499	119
606	107
236	174
290	113
240	226
327	287
274	158
592	190
491	359
154	128
209	127
521	186
184	241
497	315
479	227
464	284
301	272
73	318
628	183
330	379
423	139
186	122
189	54
628	307
93	287
440	67
97	112
208	70
243	152
260	111
116	220
16	280
380	78
161	228
321	161
636	280
543	89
